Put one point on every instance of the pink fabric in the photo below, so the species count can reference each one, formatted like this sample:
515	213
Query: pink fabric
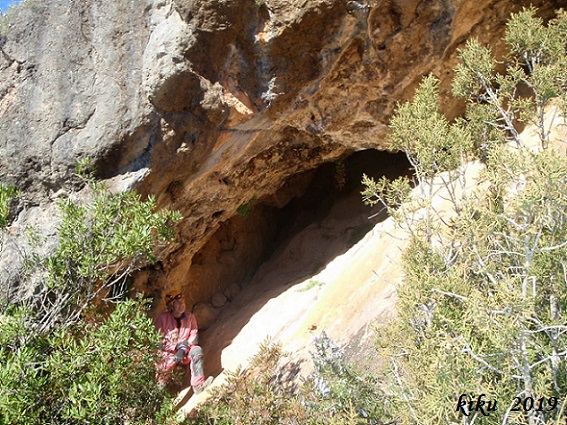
172	336
167	326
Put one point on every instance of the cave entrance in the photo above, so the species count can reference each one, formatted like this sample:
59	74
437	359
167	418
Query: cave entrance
281	240
313	217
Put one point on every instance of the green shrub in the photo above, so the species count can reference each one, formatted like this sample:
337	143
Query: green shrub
337	390
334	394
77	351
101	242
249	396
96	372
7	193
482	308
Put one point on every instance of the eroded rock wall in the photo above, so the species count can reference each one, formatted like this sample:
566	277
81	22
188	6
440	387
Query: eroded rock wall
211	104
70	87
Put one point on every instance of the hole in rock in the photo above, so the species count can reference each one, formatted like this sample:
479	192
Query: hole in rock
280	240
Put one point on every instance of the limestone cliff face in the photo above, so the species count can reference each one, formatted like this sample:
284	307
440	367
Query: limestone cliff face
215	106
70	87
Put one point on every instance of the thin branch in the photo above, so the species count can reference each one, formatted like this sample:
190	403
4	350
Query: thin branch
449	294
548	358
404	395
469	350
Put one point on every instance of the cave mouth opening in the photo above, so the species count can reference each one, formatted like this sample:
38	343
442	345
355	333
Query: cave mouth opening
291	235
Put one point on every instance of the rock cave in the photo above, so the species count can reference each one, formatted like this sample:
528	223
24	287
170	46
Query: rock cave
261	226
278	241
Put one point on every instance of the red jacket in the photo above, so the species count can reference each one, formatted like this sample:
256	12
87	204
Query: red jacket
172	334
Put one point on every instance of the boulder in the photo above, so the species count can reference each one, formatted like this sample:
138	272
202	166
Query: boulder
205	315
232	291
218	300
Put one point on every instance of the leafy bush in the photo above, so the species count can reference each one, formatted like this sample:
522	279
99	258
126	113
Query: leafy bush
482	307
76	351
97	372
101	242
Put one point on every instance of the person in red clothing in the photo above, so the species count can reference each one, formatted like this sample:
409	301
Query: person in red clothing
180	339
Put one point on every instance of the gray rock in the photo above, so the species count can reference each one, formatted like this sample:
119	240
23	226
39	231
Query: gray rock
72	74
168	79
32	234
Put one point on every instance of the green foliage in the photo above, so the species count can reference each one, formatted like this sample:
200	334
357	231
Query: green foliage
538	55
249	396
486	316
12	323
113	228
392	194
85	168
482	309
4	24
537	61
100	243
99	372
311	283
339	391
335	395
434	147
246	209
432	144
7	193
7	17
67	355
